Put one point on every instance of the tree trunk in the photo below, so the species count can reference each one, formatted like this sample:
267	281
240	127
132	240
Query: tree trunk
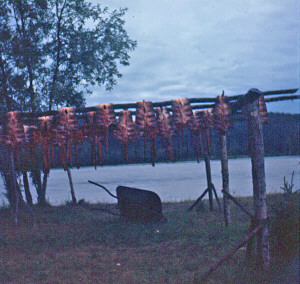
256	150
13	190
23	33
58	50
225	177
4	97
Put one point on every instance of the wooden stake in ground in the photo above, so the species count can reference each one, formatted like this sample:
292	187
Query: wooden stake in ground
256	151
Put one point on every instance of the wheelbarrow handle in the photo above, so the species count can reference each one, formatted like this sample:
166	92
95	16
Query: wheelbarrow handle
128	200
103	188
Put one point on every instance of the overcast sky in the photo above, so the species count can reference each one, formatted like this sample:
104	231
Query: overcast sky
197	48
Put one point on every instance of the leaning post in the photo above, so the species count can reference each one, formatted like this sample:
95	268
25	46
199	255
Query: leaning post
71	186
256	151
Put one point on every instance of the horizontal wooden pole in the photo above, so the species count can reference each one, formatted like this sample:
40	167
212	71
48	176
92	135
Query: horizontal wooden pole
282	98
196	103
268	93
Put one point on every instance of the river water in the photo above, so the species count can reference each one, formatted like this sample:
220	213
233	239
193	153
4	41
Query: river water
171	181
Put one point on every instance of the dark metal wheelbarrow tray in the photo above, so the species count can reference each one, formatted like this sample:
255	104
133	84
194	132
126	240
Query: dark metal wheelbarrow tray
137	204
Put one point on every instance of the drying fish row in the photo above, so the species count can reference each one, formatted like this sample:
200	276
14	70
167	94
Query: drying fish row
64	130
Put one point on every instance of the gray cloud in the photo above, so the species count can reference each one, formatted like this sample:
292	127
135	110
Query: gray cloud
198	48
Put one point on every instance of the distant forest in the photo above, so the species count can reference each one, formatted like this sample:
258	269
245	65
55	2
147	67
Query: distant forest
281	137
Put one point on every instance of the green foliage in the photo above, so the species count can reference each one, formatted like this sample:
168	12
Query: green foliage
288	187
52	51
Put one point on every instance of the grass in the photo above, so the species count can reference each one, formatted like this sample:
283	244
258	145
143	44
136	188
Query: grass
69	244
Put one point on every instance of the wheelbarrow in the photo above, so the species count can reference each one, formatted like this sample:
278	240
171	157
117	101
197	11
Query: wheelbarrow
137	204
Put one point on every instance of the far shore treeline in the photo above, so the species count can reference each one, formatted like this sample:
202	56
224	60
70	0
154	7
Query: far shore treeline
281	137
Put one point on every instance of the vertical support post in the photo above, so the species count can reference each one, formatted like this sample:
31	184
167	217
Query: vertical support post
256	150
209	182
225	177
71	186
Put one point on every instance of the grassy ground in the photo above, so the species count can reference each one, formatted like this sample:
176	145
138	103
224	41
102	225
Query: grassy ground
69	244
